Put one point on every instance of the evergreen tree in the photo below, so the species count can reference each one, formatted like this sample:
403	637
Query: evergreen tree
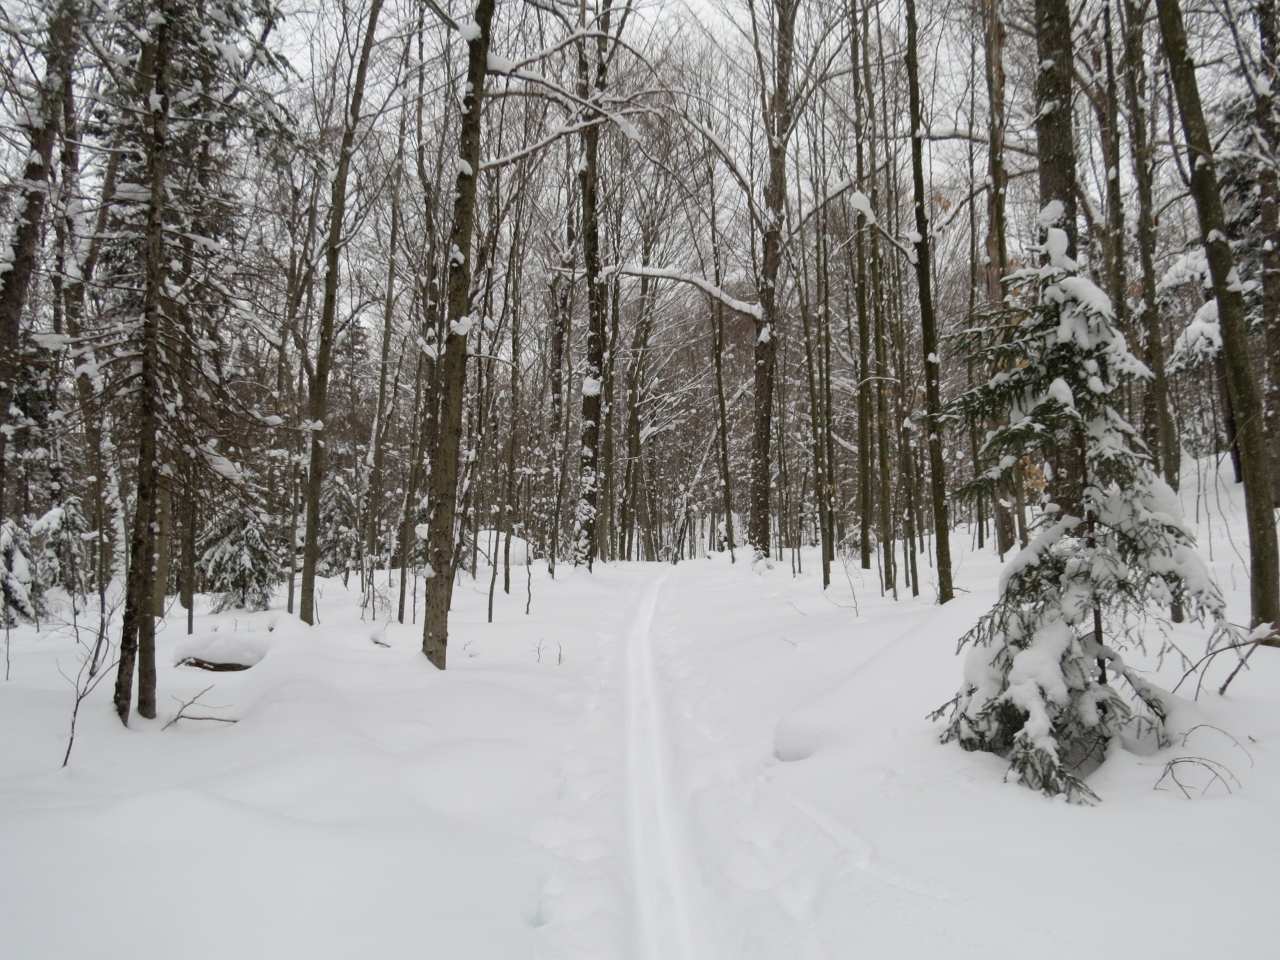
19	585
238	562
1037	687
339	543
62	557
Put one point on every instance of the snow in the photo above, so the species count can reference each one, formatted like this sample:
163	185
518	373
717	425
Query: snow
492	545
662	273
1189	267
1086	292
1200	341
499	64
1051	215
1060	391
707	761
1055	247
862	203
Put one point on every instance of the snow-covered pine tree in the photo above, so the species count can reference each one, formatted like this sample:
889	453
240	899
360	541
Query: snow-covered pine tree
339	542
238	561
1037	681
62	557
19	587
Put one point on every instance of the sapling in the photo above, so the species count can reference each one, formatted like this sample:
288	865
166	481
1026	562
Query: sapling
1110	548
238	563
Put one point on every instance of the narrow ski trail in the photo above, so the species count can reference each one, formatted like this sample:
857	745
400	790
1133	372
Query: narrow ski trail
659	861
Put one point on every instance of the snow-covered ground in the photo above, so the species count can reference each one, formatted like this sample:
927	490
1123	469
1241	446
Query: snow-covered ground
702	761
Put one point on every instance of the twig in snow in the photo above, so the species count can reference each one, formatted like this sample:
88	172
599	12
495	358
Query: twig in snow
1216	773
1210	726
183	715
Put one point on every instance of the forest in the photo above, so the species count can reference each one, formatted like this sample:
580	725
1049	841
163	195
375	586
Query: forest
445	308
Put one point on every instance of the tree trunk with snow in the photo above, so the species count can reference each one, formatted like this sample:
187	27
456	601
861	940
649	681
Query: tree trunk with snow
778	122
137	631
928	324
453	361
1246	398
18	262
328	310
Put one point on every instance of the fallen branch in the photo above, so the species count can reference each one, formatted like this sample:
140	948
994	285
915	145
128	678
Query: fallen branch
215	666
1216	772
183	715
1270	640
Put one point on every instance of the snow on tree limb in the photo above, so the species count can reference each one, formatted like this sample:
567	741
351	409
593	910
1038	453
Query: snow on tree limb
662	273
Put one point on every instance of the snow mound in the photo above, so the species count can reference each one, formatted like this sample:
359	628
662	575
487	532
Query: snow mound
221	650
493	544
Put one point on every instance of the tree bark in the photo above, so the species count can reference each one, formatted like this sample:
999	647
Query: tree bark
777	122
137	633
717	359
1055	141
453	362
928	325
373	507
1246	398
1268	124
997	265
42	134
586	548
324	354
1167	451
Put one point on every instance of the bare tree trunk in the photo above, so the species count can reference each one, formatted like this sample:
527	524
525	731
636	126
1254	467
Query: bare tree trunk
1055	141
561	295
717	357
378	439
777	109
882	432
164	531
606	534
20	259
1055	148
866	436
453	365
996	249
425	399
634	494
593	376
187	595
137	640
1246	398
1268	124
324	355
1168	454
815	436
928	325
884	498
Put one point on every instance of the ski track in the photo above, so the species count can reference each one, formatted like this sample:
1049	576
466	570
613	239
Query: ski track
658	859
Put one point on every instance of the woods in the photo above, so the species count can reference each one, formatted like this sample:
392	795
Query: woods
378	290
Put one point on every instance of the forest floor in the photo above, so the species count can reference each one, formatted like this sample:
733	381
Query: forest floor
708	761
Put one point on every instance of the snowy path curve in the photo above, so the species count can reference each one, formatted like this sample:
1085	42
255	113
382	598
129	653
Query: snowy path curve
659	858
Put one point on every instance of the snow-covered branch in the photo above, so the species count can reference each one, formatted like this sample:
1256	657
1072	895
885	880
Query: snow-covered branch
707	287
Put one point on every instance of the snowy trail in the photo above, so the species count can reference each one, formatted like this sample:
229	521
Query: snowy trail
657	859
709	762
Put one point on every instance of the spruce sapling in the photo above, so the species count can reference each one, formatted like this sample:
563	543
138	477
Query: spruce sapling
1112	552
